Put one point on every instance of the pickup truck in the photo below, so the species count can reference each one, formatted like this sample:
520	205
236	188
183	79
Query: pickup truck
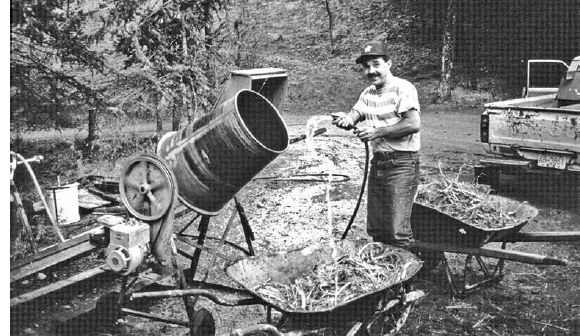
537	133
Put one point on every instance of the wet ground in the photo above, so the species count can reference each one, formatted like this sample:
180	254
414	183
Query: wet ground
287	208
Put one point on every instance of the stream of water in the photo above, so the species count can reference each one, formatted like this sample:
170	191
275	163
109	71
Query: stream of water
327	165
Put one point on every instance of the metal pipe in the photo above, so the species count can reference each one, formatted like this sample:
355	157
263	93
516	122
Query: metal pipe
39	190
184	293
155	317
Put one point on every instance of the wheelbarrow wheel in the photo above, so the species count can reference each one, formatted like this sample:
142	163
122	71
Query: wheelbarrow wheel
431	259
392	318
203	324
107	309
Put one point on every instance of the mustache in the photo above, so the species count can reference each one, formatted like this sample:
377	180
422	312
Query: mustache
373	75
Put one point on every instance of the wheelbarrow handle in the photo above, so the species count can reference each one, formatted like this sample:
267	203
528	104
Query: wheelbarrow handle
220	298
518	256
542	236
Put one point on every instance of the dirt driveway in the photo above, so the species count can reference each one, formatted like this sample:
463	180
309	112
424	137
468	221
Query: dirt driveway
288	212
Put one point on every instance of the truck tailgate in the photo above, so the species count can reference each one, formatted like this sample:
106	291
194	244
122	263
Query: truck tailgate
532	123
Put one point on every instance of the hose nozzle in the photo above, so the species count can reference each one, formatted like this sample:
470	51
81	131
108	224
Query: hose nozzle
336	116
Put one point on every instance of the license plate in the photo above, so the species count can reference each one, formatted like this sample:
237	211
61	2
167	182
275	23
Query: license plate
551	160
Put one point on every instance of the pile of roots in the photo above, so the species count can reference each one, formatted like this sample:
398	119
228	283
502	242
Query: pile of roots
372	268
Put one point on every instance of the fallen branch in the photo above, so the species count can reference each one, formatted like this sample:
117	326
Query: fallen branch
493	331
550	325
486	318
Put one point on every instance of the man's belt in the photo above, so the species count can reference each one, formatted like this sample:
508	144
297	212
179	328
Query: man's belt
383	156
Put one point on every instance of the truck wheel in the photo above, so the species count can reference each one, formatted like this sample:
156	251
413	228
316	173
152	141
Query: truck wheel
494	179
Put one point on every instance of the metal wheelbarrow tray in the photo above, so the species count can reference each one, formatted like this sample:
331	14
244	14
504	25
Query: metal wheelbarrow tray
285	267
433	226
385	308
437	232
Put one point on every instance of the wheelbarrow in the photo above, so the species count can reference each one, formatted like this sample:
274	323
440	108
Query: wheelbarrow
383	310
437	232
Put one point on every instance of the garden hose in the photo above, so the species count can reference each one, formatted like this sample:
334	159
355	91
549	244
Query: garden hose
362	190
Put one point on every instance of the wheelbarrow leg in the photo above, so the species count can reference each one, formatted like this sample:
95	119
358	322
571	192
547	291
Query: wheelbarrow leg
392	315
488	276
358	329
499	267
450	280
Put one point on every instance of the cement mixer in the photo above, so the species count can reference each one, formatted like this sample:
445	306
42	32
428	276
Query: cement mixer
201	167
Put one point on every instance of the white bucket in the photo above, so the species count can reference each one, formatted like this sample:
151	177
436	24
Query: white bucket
66	200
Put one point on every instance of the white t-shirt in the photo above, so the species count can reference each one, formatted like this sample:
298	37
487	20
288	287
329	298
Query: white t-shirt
385	107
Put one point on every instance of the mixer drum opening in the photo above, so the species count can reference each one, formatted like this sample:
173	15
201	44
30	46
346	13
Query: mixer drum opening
214	157
262	121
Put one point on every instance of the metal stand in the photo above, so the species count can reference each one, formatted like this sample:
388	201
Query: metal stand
472	280
149	192
203	228
469	282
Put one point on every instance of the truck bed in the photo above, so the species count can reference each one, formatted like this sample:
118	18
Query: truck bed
545	102
532	129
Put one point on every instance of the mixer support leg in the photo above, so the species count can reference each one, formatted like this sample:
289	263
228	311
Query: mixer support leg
248	233
203	227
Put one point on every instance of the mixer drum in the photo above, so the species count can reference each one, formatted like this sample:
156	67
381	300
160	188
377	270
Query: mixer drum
214	157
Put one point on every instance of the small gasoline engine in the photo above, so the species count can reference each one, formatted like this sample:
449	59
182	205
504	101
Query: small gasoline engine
128	246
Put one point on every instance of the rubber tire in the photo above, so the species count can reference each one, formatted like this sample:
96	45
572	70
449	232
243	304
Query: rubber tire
431	259
106	309
203	324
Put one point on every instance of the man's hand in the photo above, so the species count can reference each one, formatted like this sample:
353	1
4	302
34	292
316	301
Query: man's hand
367	133
342	120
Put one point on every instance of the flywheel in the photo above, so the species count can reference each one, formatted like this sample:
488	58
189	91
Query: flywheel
147	187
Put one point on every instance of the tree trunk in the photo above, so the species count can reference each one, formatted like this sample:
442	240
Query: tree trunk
473	56
447	53
176	119
208	37
192	112
330	23
158	123
185	101
92	126
161	107
238	23
175	114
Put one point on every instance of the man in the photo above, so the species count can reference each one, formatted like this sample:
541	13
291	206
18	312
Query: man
391	110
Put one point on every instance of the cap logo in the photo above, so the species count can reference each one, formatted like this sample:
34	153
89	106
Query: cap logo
368	48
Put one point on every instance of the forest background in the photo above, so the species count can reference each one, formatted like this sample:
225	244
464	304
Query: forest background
99	66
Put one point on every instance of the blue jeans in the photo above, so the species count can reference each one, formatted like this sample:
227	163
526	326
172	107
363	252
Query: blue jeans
392	187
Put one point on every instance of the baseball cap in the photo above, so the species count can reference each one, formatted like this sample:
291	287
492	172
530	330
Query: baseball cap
371	49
